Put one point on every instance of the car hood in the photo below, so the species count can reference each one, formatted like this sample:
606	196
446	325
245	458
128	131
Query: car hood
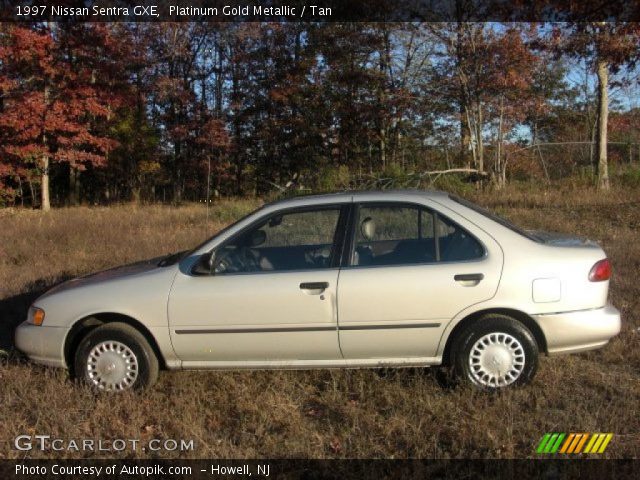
562	239
107	275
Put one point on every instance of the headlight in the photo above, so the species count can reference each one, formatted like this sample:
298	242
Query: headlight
36	316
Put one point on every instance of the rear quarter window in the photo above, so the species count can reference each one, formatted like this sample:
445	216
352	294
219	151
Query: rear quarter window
456	244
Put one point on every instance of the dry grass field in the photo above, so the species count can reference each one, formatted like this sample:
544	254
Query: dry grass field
325	413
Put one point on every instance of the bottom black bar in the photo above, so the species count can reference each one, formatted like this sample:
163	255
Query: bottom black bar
548	469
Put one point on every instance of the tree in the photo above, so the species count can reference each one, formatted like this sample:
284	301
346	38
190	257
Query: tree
510	91
54	95
609	47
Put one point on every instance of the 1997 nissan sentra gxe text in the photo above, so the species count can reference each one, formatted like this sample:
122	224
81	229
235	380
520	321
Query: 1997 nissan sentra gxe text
366	279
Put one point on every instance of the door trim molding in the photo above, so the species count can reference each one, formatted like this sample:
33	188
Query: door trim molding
305	329
257	330
390	326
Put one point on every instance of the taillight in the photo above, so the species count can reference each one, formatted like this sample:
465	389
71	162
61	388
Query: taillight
601	271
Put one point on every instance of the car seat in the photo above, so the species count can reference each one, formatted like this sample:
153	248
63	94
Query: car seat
364	253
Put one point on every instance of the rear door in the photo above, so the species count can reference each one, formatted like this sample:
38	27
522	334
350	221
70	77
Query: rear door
410	270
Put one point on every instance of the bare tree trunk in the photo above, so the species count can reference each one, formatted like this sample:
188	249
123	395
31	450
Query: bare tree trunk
74	186
464	161
465	137
603	113
592	150
446	156
21	191
479	140
45	203
544	165
219	79
500	175
382	104
32	190
383	148
471	137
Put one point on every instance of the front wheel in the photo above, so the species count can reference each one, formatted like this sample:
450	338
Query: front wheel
495	352
116	357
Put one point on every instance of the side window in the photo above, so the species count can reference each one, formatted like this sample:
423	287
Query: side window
291	241
393	235
404	234
456	244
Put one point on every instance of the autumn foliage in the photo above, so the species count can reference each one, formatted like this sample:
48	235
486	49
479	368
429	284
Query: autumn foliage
56	95
188	111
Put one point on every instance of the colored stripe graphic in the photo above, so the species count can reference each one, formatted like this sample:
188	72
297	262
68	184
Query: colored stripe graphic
543	442
606	441
574	443
556	445
549	445
567	442
592	440
581	443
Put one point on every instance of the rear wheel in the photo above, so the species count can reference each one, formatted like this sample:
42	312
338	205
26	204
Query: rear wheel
495	352
116	357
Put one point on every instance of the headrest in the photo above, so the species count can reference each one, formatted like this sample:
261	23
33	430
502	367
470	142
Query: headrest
368	228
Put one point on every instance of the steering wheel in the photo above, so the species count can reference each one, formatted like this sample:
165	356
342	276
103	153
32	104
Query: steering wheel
249	260
239	260
224	262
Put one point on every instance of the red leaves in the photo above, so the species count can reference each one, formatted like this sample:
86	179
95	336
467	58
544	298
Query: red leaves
614	42
54	93
214	134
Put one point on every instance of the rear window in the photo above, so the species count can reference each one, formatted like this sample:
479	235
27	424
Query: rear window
496	218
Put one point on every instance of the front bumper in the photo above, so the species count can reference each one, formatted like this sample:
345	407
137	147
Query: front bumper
42	344
578	331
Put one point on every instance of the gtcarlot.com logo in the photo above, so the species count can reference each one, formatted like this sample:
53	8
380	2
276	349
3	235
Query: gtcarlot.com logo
574	442
47	442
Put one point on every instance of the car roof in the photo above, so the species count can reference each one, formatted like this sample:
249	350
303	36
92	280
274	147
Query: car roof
357	195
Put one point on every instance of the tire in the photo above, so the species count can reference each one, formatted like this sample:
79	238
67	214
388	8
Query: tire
116	357
494	353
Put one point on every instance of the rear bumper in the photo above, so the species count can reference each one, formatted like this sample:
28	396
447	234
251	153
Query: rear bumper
42	344
578	331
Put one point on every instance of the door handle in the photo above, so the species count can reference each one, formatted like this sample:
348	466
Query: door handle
314	285
469	279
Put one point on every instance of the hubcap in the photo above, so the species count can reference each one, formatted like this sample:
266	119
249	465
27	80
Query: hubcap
496	360
112	366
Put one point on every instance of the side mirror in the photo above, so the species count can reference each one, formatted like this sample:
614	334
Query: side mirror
275	221
205	264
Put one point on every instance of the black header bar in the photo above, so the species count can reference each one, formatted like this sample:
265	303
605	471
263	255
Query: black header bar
321	10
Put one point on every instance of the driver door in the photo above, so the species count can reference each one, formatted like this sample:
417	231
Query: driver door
271	298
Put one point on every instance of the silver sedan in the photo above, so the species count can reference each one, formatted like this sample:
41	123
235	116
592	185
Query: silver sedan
369	279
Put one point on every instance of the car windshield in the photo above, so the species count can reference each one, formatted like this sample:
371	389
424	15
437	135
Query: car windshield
174	258
496	218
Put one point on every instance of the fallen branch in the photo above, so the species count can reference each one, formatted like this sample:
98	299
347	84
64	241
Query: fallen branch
439	173
455	170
